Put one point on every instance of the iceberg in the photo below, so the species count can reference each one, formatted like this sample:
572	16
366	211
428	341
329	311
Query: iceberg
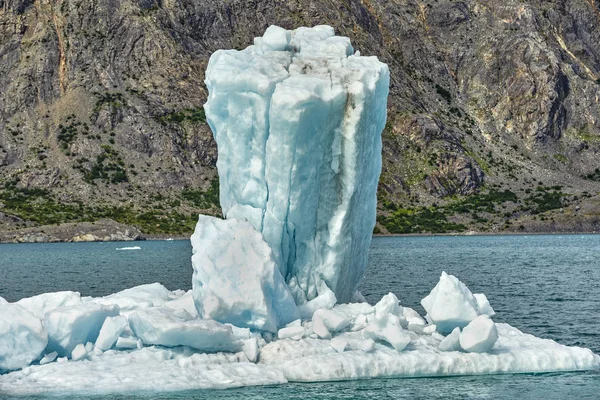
297	118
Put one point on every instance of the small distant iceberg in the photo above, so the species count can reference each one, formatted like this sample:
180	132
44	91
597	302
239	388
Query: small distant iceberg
169	239
129	248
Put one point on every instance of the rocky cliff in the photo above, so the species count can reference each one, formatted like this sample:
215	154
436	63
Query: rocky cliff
493	120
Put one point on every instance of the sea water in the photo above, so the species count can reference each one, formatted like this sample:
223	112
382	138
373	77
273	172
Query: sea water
546	285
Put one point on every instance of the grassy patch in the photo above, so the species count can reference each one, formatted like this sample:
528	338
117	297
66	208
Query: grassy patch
40	207
419	220
113	101
67	132
544	199
108	167
444	93
203	199
193	115
485	202
560	158
594	176
435	219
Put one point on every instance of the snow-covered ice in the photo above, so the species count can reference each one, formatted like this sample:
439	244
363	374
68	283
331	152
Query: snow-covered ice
297	118
299	357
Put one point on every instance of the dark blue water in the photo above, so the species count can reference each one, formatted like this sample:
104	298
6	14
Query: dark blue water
545	285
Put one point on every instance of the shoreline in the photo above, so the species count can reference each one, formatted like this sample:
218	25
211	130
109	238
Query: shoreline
178	237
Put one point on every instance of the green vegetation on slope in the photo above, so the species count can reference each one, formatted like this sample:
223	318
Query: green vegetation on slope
38	206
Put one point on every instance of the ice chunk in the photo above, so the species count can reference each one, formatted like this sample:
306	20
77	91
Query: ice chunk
184	302
48	358
292	332
451	342
79	352
389	304
429	329
339	344
325	300
23	338
72	325
250	349
161	326
110	332
299	131
366	345
450	304
3	301
319	328
479	336
387	328
294	323
128	343
39	305
275	39
412	317
142	296
332	320
235	279
483	305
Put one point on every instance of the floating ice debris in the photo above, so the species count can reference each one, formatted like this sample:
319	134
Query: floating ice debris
129	248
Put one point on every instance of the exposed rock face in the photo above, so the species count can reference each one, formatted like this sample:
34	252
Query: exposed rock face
100	231
101	101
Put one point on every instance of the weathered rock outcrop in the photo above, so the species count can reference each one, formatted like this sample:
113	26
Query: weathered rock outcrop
101	102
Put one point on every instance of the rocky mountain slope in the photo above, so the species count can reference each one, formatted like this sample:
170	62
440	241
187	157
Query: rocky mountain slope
493	111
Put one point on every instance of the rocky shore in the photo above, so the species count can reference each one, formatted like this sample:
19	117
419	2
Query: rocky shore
104	230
